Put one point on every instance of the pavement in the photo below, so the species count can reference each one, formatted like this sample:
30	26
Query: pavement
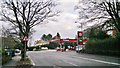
71	58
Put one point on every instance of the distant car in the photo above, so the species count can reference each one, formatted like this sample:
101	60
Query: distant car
78	49
17	51
73	48
58	49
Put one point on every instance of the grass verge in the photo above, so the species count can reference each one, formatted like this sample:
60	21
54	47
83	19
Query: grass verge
24	63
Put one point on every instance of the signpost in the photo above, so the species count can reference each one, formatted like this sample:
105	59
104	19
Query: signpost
25	39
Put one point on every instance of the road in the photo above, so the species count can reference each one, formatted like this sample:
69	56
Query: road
71	58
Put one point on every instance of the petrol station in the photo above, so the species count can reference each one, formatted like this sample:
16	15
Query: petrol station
80	42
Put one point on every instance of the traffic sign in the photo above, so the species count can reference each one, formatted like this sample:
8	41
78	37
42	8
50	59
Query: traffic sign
25	38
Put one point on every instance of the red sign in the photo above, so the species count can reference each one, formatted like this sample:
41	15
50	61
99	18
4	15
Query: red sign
68	40
25	38
84	40
72	40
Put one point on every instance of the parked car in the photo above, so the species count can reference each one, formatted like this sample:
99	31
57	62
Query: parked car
17	51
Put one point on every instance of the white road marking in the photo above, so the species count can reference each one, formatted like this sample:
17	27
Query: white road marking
70	63
47	50
98	60
31	61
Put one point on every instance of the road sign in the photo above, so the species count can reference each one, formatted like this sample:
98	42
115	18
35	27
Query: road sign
25	38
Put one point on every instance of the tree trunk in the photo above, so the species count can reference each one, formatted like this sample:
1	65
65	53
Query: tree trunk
23	52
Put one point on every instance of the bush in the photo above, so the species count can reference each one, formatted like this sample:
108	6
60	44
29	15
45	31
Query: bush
118	35
108	46
34	47
5	57
31	48
53	45
46	45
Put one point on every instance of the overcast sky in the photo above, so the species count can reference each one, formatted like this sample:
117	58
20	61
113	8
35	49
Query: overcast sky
65	24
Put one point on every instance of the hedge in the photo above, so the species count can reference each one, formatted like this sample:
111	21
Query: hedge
53	45
110	46
5	57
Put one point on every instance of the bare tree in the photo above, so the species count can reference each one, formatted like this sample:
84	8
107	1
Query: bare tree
94	11
113	9
90	12
25	14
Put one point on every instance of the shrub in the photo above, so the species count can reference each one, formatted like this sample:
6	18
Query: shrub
118	35
5	58
108	46
31	48
53	45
